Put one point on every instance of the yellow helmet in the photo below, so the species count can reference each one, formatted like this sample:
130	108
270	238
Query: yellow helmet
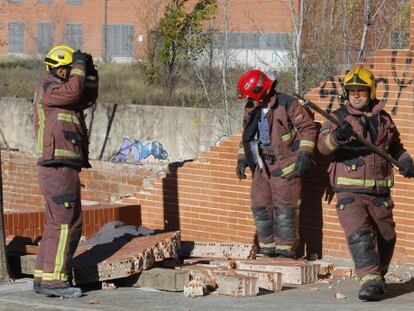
60	55
360	77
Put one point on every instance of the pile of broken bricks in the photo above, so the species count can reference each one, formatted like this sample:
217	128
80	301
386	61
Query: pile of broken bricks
162	261
230	269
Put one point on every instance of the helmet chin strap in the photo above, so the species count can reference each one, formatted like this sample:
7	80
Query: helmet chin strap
268	95
62	78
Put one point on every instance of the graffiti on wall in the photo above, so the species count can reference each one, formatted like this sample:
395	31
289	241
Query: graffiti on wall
401	76
139	150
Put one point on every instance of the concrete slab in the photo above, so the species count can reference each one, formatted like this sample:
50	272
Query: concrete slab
237	285
27	263
163	279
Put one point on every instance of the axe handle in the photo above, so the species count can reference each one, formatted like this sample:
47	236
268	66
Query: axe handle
367	143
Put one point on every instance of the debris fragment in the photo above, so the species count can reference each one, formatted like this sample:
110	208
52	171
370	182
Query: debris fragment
198	287
339	272
398	277
314	289
339	295
108	285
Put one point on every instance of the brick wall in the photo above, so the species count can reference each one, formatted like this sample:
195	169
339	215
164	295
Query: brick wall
106	183
30	224
393	70
206	202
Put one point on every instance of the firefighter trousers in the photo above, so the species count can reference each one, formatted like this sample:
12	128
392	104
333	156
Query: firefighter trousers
369	227
60	187
275	207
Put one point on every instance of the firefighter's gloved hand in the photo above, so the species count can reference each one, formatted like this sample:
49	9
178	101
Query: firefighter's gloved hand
407	167
241	168
343	132
304	163
79	57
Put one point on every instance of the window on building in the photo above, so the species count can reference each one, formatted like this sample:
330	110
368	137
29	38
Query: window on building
74	1
15	1
44	37
45	1
119	40
253	40
74	36
16	37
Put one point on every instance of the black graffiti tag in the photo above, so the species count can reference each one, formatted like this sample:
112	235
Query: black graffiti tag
330	90
403	82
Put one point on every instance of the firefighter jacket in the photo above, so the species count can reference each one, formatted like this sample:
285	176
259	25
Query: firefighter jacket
59	121
291	131
355	168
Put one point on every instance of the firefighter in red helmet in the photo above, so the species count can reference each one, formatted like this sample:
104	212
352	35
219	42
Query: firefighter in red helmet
277	144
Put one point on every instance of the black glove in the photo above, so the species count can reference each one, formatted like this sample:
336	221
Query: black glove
304	163
407	167
79	57
343	132
89	67
241	168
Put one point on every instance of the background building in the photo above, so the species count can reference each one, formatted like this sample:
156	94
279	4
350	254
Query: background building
256	30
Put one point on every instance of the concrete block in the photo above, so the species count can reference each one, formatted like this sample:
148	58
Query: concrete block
27	263
237	285
217	250
163	279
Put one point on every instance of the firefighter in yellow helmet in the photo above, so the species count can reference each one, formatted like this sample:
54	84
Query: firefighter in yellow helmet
62	148
362	179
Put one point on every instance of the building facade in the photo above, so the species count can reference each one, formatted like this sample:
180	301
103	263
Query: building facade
256	30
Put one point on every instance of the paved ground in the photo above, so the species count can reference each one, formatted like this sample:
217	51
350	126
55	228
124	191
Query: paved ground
18	296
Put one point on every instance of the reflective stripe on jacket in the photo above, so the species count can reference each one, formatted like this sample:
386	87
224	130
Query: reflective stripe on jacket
291	130
355	168
59	122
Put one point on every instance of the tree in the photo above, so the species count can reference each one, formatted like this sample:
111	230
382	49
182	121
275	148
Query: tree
217	78
330	36
299	18
4	267
180	36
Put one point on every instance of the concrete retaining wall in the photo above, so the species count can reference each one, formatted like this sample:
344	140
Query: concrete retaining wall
184	132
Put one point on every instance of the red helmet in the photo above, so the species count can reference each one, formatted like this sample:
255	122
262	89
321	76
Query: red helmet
254	84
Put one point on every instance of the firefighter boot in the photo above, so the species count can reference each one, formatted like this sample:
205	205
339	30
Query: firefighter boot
282	253
264	230
285	231
65	291
372	289
267	249
36	285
